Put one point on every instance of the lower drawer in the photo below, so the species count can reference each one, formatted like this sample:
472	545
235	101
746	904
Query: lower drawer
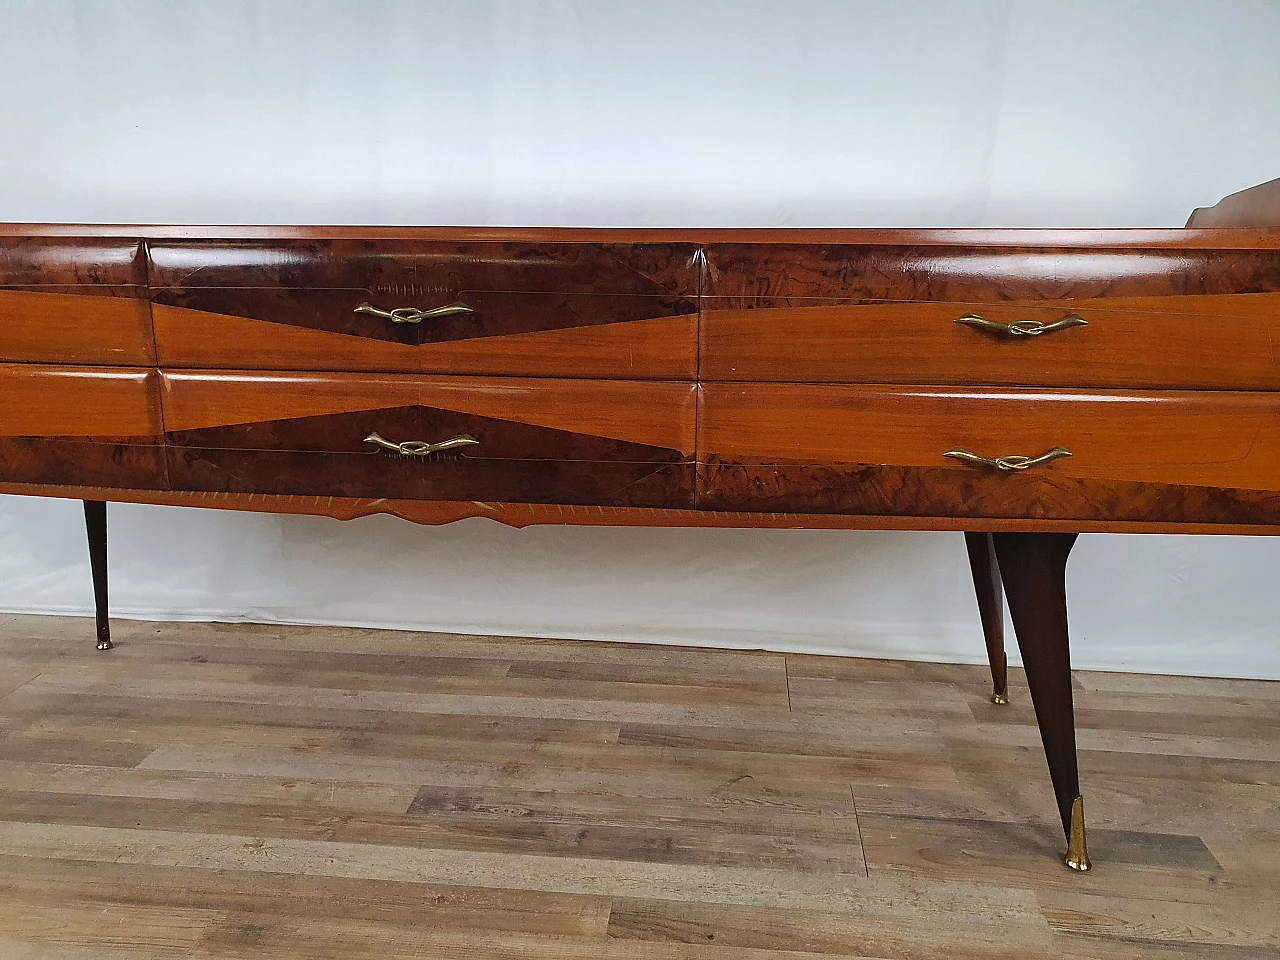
1175	456
95	426
619	443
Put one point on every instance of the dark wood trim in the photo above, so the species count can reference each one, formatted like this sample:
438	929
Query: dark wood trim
95	523
990	592
1033	567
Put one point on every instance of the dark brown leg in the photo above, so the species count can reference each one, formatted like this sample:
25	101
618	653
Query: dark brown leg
1033	567
986	583
95	522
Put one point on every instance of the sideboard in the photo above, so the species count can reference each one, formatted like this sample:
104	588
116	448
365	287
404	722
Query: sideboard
1019	386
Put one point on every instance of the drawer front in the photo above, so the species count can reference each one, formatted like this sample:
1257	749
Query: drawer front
97	426
74	301
472	307
1177	456
746	272
1221	341
542	440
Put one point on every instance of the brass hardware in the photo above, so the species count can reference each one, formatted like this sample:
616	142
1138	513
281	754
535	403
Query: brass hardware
1077	855
1011	462
105	645
1000	698
1022	328
412	314
420	448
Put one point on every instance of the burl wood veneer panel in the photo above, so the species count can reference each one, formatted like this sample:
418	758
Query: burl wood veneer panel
1215	341
74	301
80	425
618	443
744	272
1175	456
550	309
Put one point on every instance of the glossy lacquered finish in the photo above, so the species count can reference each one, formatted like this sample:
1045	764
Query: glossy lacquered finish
541	440
81	425
1173	456
1211	342
74	301
555	309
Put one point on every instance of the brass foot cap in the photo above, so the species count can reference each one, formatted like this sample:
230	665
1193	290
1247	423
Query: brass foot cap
1077	855
1084	866
1000	698
105	644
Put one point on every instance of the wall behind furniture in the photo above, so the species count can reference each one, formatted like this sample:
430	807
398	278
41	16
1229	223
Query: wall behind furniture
800	113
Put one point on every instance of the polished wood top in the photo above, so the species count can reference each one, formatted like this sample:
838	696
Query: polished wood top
1230	238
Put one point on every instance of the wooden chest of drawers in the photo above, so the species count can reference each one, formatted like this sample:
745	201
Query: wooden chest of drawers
1020	386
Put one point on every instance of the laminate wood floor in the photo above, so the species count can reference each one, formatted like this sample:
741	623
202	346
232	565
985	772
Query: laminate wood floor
235	791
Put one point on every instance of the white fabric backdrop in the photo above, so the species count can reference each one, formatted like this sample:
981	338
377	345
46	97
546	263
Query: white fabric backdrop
999	113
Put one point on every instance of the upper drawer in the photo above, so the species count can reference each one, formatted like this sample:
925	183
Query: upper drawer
1216	341
747	272
510	439
73	301
488	307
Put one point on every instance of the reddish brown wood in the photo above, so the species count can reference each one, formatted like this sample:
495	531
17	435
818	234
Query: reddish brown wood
43	255
510	290
740	273
328	455
64	325
990	593
658	414
529	514
1179	438
1087	239
658	348
78	402
1215	342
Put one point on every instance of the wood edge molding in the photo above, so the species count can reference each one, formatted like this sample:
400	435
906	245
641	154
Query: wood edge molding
1138	238
524	514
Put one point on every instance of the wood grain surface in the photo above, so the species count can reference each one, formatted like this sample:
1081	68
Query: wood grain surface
1211	439
69	401
1213	342
73	325
229	791
660	348
657	414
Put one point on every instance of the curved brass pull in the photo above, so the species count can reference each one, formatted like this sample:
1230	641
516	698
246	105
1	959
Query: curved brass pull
1012	462
412	314
1022	328
420	448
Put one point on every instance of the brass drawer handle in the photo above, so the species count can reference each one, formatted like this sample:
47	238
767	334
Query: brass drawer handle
412	314
1022	328
420	448
1009	462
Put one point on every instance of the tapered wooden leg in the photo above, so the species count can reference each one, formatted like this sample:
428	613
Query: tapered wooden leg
95	522
986	583
1033	567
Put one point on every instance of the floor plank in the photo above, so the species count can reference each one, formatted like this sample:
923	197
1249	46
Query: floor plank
239	790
